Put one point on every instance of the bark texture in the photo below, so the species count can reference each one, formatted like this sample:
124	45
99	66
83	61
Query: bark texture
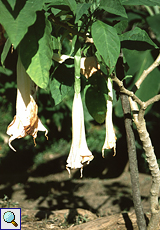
152	162
133	163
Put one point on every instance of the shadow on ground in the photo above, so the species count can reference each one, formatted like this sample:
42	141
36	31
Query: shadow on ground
48	186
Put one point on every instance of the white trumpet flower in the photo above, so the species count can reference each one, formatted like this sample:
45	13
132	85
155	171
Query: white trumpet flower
26	121
79	152
110	139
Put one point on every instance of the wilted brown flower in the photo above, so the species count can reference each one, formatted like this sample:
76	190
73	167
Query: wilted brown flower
26	121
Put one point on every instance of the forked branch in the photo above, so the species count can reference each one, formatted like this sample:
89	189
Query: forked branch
138	115
153	165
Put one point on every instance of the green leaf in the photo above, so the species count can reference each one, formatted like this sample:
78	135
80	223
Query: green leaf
16	22
56	43
12	3
5	71
139	61
72	4
136	15
107	42
36	51
137	39
121	26
74	39
140	2
62	83
98	81
113	7
61	4
96	104
55	11
82	8
96	94
5	51
154	22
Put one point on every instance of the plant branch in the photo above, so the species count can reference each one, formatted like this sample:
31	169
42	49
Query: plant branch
138	115
147	71
133	162
152	100
142	104
123	90
153	166
130	147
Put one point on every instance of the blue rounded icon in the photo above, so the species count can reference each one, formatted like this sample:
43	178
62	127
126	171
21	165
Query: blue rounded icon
9	217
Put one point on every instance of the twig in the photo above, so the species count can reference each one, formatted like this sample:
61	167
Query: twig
123	90
147	71
152	100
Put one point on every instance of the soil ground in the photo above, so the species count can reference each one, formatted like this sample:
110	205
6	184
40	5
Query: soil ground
49	199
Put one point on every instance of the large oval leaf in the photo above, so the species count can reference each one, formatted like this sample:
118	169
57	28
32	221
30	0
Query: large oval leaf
96	104
154	22
137	39
107	42
62	82
113	7
82	8
36	51
17	21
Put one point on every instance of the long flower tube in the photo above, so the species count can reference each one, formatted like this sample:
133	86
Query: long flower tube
110	139
79	152
26	121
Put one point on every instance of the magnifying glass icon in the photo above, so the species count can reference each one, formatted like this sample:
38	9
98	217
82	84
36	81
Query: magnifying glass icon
9	217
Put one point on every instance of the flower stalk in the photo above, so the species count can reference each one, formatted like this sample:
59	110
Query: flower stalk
26	121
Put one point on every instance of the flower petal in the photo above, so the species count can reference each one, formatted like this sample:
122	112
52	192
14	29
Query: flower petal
110	139
79	152
26	121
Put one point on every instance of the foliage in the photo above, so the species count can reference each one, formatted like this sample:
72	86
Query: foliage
54	25
61	27
43	31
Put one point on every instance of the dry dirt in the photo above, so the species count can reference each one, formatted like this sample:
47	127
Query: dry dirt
49	199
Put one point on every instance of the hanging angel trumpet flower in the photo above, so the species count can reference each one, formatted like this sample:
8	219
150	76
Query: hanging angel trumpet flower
79	152
110	140
26	121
